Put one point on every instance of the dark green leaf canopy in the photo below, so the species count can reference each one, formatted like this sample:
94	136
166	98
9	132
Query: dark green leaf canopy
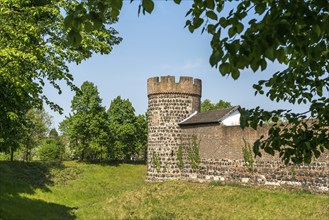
87	127
35	48
122	124
36	42
207	105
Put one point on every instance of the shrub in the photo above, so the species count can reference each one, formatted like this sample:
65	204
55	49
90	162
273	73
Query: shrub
50	150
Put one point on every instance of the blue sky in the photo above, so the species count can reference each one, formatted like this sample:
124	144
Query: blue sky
158	45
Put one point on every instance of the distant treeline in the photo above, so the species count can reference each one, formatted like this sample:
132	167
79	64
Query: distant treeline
89	133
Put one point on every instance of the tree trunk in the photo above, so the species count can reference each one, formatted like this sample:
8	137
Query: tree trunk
60	152
145	155
26	155
82	154
11	154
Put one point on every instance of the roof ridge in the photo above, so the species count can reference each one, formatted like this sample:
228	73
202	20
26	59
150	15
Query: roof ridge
213	116
194	113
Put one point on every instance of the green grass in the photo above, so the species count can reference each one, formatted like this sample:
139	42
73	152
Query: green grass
93	191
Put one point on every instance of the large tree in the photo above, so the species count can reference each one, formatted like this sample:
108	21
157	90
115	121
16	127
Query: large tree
87	127
35	48
294	33
141	136
123	129
36	128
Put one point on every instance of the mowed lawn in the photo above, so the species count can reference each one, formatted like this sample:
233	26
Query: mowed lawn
94	191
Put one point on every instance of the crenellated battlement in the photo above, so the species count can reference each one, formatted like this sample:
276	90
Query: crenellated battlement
168	103
219	146
167	84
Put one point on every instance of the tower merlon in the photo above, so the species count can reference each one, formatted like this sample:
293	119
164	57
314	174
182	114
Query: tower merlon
167	84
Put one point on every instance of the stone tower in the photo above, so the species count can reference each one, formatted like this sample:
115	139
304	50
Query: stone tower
168	103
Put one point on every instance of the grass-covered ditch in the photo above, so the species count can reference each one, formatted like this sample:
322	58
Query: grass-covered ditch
73	190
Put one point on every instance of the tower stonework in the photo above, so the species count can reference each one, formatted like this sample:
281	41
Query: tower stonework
168	104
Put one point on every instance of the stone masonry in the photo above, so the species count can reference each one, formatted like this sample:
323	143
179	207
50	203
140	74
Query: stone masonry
219	147
221	159
168	103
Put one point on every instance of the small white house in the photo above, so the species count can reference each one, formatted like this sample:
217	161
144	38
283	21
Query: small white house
225	116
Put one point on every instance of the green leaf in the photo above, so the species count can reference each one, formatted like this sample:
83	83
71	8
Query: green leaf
243	118
148	5
187	23
197	22
97	23
115	13
211	29
224	68
117	4
219	6
269	53
177	1
254	65
269	150
232	47
317	30
235	74
281	55
223	22
232	31
215	58
189	12
307	159
191	28
210	4
88	26
252	21
260	8
212	15
239	27
316	153
96	20
242	15
76	24
256	148
242	62
68	21
263	64
74	38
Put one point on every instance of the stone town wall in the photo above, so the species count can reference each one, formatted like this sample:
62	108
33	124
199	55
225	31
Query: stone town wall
168	103
220	147
220	150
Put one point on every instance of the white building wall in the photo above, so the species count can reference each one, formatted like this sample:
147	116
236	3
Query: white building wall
232	119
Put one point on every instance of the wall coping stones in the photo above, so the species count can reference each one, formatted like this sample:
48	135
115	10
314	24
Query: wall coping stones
167	84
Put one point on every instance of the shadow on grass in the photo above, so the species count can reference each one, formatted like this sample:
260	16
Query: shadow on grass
231	184
21	177
115	162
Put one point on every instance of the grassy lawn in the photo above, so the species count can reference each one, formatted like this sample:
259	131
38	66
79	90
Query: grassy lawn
90	191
